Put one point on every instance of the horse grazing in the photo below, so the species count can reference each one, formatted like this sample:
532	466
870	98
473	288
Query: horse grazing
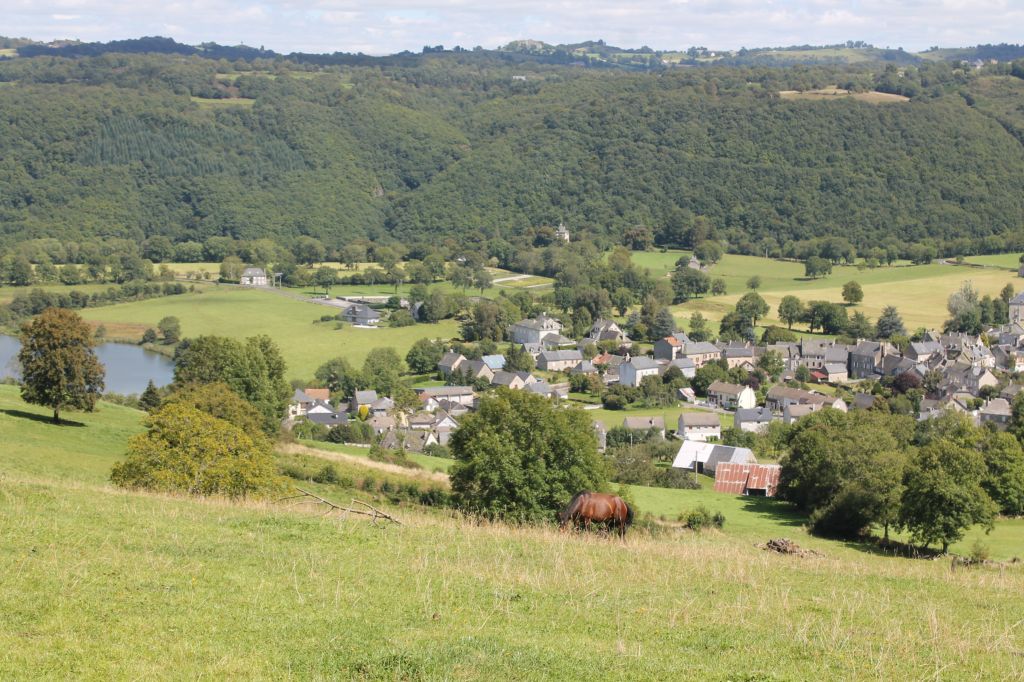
587	508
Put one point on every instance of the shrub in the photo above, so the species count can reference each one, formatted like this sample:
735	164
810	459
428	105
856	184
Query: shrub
700	518
328	474
186	450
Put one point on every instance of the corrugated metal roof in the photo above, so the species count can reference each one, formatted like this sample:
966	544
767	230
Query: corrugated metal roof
739	479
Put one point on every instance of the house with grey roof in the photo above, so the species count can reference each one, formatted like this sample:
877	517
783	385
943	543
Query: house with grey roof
360	315
558	360
702	426
1017	308
996	412
705	457
253	277
645	424
752	420
535	330
634	370
731	396
794	412
450	362
701	352
363	398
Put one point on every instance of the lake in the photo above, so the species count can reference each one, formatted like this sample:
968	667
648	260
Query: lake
129	368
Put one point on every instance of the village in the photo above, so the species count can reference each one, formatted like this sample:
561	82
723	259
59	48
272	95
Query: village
951	371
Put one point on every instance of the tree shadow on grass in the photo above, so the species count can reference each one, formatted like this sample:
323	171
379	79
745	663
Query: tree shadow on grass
45	419
780	512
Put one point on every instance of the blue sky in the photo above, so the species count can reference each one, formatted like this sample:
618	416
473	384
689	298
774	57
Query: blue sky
387	26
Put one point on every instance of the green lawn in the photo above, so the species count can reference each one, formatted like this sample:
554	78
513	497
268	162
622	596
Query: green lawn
612	418
99	583
236	312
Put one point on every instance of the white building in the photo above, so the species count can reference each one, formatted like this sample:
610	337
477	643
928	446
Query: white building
633	371
253	277
707	456
701	426
535	330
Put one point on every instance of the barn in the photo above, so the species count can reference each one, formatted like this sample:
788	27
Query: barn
757	480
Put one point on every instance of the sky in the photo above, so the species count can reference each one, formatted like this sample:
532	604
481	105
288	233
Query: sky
388	26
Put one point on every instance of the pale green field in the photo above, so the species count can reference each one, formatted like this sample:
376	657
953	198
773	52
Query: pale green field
826	94
185	269
215	103
238	313
1010	261
7	292
100	583
919	292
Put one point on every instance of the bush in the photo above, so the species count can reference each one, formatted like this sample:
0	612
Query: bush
328	474
186	450
670	477
700	518
437	450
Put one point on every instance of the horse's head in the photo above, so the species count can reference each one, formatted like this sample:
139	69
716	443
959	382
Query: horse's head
563	517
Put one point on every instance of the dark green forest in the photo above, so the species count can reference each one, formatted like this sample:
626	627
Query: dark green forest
474	147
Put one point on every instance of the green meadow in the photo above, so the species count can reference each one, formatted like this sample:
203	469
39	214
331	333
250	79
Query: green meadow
103	583
294	325
919	292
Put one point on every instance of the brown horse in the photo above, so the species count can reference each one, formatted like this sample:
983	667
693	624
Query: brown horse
587	508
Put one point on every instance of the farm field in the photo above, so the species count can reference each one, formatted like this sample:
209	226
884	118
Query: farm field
919	292
825	94
104	583
238	313
1010	261
7	293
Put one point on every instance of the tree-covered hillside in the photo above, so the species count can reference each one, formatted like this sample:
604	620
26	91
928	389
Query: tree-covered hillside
136	145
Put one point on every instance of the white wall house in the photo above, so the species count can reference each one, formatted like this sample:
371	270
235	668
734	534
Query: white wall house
633	371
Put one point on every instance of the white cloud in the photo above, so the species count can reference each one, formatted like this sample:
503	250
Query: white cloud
387	26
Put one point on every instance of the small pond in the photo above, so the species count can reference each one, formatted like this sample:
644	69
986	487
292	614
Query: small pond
129	368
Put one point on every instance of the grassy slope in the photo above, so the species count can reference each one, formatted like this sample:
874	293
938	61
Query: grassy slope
100	583
919	291
239	313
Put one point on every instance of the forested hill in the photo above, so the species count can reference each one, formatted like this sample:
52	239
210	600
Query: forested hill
456	145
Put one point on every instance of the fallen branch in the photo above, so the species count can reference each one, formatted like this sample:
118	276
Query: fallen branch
373	512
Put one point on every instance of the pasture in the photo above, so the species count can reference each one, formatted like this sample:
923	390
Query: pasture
613	418
235	312
104	583
919	292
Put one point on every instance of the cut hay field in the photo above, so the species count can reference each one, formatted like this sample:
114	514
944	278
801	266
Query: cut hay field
99	583
222	103
826	94
238	313
919	292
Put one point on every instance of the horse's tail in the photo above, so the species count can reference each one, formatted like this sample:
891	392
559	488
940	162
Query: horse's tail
629	514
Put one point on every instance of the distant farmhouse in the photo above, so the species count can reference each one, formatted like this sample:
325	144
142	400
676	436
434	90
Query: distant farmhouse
253	277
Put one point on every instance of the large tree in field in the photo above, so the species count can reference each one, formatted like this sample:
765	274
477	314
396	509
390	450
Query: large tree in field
791	310
58	366
521	457
944	494
253	369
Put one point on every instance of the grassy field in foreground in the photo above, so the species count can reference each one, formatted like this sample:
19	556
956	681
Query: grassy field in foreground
919	292
234	312
100	583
